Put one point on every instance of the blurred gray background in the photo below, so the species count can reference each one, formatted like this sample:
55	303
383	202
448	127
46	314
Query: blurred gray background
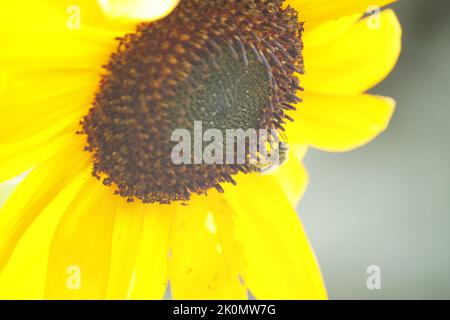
388	204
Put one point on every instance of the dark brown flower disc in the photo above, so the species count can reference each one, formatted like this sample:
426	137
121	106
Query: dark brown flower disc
230	64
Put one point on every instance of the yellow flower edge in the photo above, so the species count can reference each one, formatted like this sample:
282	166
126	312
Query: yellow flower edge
249	238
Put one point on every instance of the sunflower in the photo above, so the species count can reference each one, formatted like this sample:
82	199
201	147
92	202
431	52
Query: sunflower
89	90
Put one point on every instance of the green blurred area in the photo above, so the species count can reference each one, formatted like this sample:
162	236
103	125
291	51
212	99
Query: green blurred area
388	204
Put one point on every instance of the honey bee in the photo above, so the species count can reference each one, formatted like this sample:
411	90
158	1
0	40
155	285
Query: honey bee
266	167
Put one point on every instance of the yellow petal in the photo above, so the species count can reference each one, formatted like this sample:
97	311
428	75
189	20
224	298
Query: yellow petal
279	261
316	12
50	73
113	15
42	39
85	13
34	11
52	102
80	254
24	275
35	193
205	260
137	10
355	61
328	31
127	233
150	277
139	252
6	188
16	158
3	81
339	123
292	177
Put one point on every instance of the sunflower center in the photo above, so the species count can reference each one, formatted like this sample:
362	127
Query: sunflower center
225	64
